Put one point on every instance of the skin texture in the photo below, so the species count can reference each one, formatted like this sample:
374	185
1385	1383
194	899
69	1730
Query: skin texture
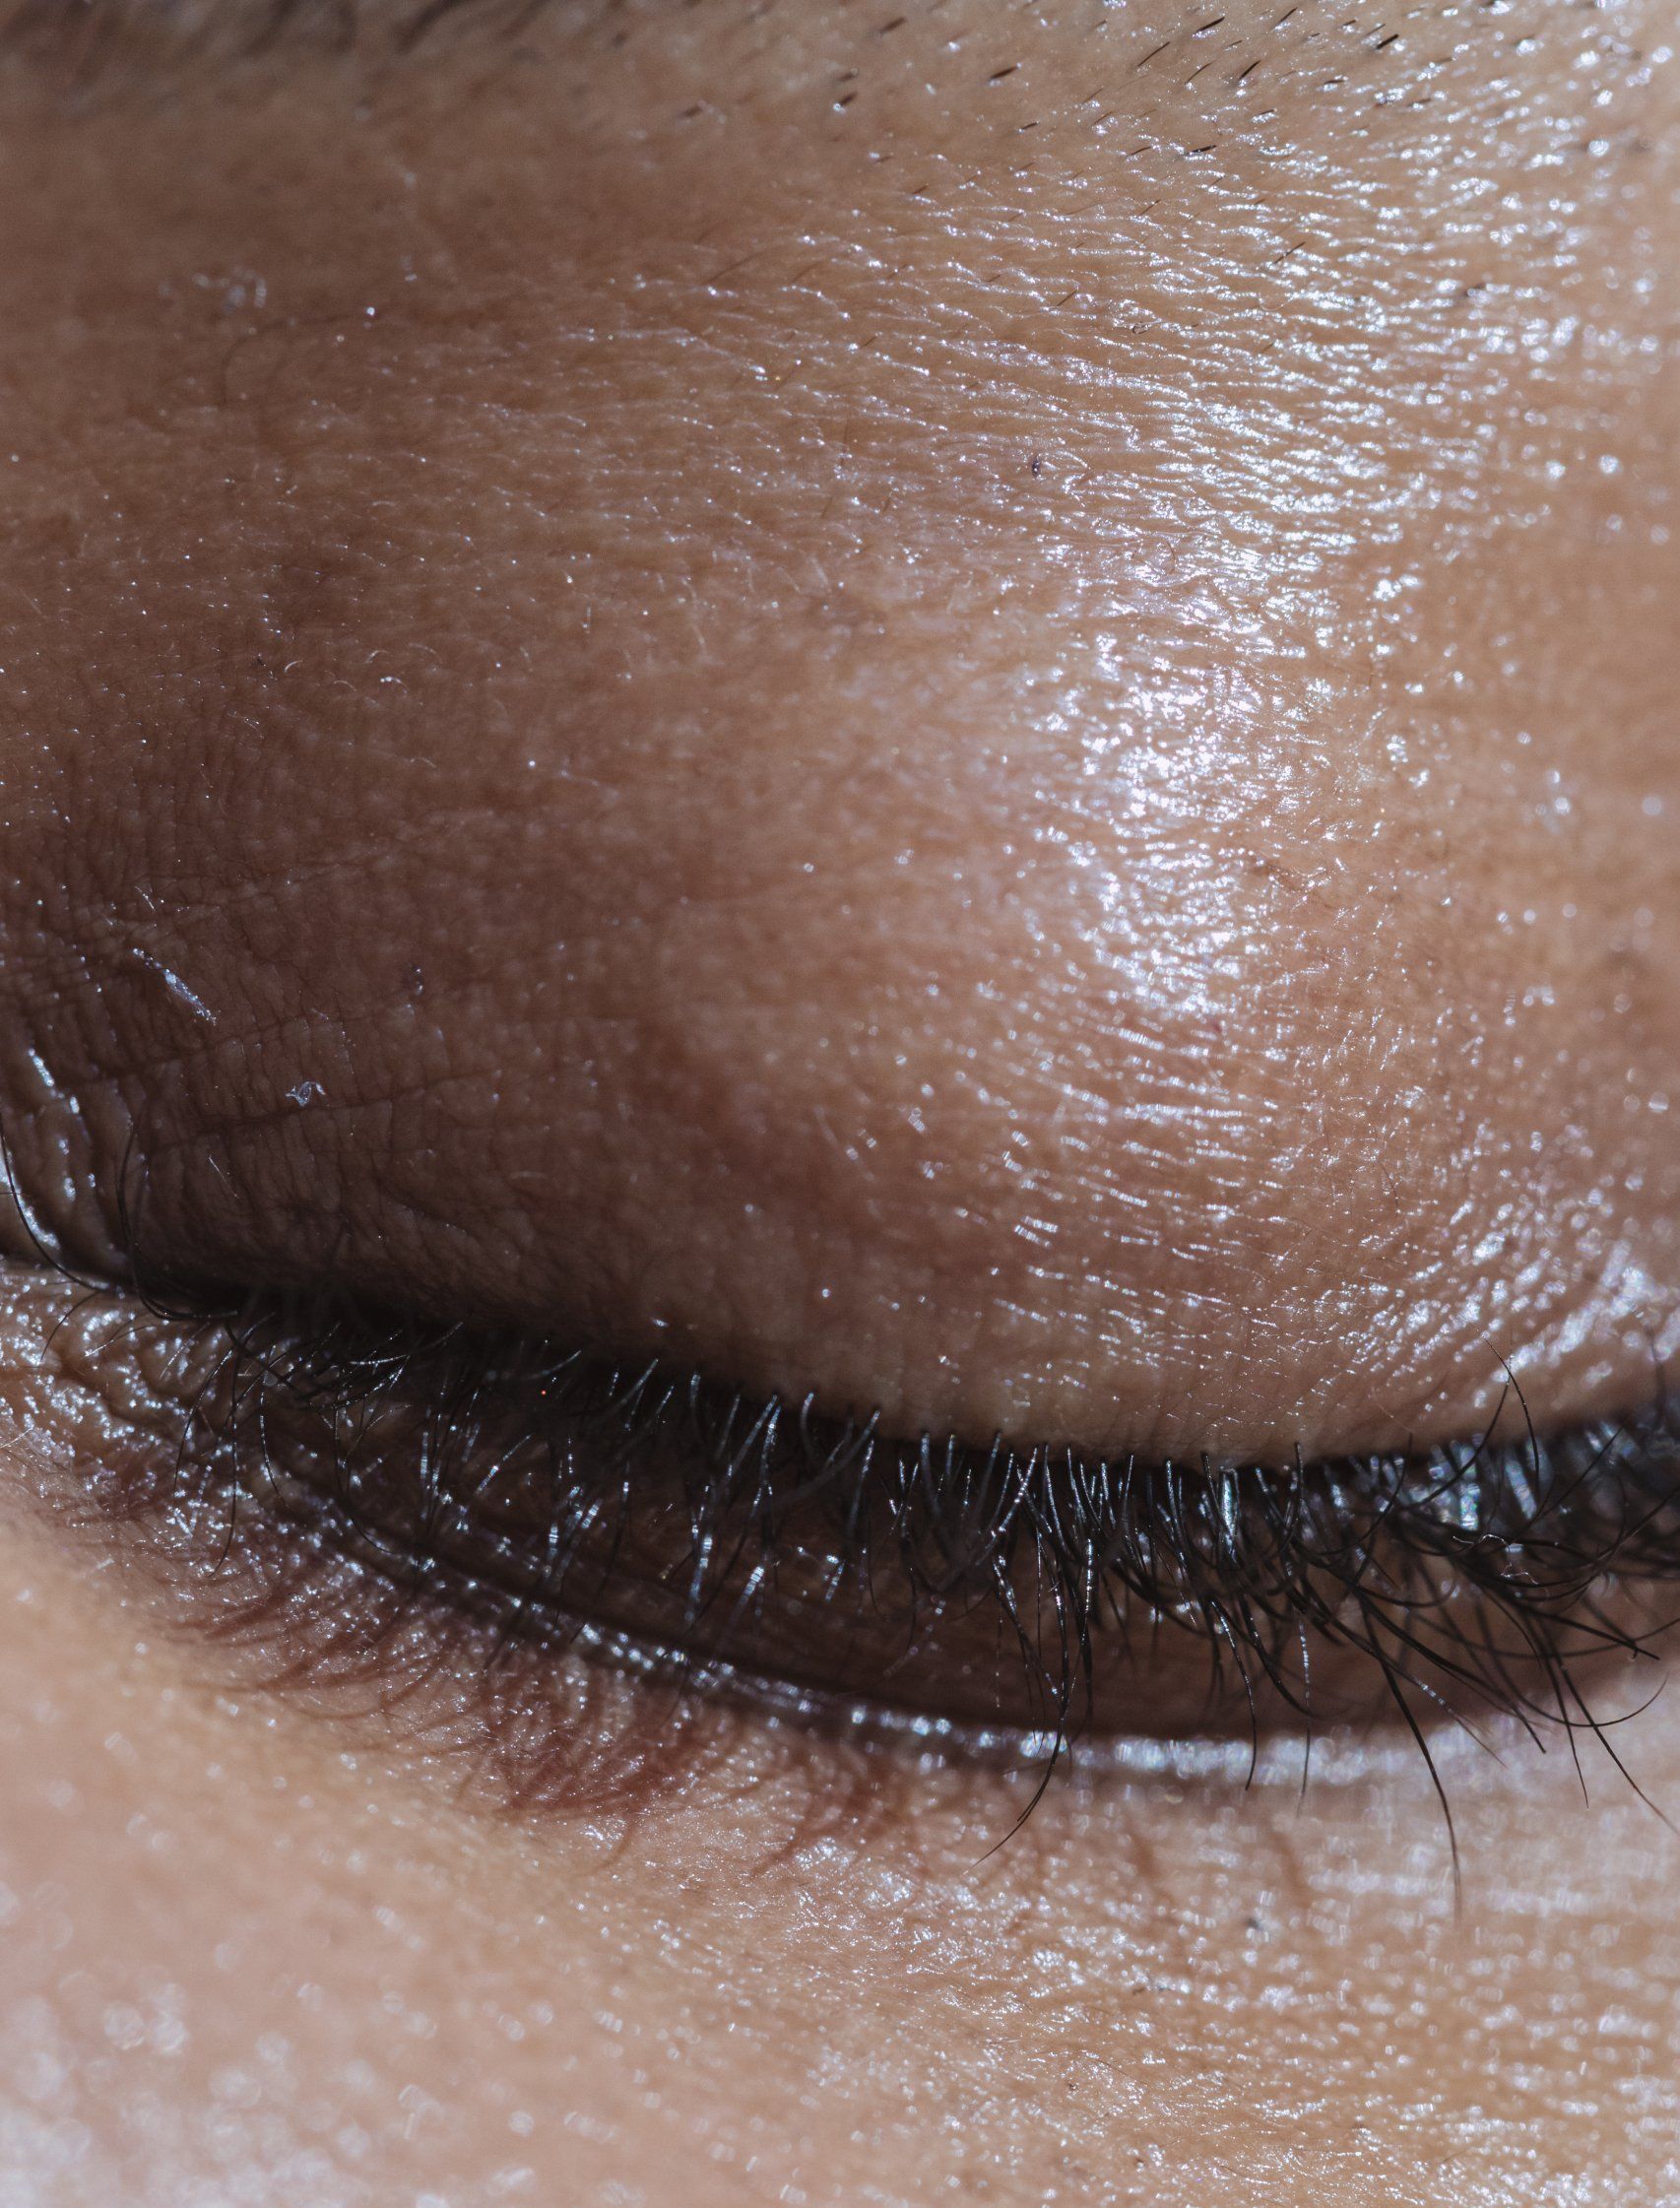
974	714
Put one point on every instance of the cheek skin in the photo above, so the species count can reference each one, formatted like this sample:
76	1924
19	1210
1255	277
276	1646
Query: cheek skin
1037	799
238	1947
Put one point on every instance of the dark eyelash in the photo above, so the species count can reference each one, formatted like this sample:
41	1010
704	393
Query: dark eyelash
1471	1581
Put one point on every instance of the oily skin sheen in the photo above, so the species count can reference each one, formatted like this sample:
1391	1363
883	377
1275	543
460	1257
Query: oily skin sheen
972	710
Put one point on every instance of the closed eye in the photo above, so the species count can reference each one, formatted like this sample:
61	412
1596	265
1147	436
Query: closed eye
528	1505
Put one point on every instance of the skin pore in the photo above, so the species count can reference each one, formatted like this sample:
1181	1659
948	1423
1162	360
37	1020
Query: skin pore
966	711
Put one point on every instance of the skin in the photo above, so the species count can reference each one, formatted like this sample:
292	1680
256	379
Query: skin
975	717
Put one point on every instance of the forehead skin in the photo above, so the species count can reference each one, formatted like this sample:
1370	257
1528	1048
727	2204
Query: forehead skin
973	711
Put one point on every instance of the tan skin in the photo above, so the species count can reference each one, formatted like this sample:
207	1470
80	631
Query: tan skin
971	715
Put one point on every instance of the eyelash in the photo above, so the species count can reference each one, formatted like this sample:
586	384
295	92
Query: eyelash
1469	1581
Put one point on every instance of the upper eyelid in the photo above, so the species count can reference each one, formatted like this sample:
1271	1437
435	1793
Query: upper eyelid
324	1313
322	1321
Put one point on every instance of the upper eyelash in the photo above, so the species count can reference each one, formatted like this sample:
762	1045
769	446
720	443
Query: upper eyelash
1467	1574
